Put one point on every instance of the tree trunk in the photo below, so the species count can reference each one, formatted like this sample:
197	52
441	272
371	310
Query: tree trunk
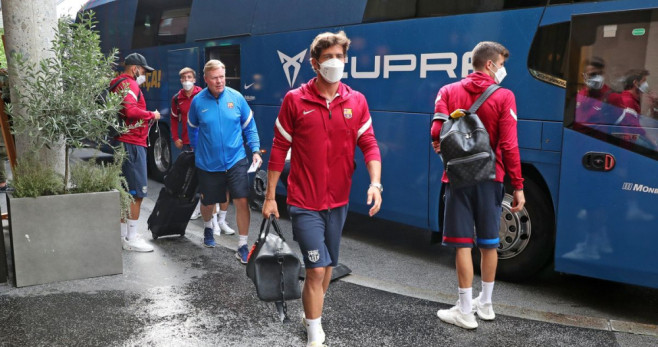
29	29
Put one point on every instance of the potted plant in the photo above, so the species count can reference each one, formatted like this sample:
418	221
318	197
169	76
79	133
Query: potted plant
66	225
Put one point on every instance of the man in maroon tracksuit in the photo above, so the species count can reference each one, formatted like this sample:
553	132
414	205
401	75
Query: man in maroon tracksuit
479	206
323	120
138	119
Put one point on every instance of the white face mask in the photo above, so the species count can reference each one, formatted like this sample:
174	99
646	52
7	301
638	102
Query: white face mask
140	79
188	85
644	87
595	82
500	74
332	70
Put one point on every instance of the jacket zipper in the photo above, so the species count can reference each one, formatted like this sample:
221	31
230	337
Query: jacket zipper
329	108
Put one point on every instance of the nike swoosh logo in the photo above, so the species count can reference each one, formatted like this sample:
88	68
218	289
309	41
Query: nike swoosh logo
247	86
309	111
204	110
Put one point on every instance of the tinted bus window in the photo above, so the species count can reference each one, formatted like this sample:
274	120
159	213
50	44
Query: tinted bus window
547	57
383	10
612	67
158	22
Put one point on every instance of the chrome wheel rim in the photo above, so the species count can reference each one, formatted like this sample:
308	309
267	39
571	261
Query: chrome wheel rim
515	230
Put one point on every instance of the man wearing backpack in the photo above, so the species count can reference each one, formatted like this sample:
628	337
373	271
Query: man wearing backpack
138	119
479	205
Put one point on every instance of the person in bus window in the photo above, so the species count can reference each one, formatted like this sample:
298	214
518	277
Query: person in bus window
479	206
323	121
134	142
628	102
591	99
223	117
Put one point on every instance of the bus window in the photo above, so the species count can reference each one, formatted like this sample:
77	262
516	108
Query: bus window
230	56
383	10
547	57
158	24
612	76
173	26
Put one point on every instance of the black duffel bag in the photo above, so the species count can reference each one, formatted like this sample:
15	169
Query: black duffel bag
272	265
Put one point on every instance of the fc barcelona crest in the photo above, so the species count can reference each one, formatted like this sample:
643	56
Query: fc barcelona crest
347	113
313	256
230	105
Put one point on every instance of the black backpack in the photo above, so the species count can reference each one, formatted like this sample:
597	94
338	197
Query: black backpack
465	149
112	131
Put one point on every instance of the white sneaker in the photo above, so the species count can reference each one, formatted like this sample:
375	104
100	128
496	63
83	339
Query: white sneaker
484	311
322	335
215	226
137	244
455	316
196	214
226	229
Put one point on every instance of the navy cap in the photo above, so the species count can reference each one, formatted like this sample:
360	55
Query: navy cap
137	59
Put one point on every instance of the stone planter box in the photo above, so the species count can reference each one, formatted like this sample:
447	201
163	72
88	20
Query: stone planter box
64	237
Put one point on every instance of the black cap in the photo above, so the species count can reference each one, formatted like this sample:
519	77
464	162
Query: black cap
137	59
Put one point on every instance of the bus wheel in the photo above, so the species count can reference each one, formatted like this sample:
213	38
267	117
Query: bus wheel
526	237
159	152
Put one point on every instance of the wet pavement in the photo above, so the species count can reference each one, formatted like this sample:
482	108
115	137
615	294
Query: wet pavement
187	295
184	294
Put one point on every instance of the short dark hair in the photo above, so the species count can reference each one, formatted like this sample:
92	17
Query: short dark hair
487	50
597	62
632	76
328	39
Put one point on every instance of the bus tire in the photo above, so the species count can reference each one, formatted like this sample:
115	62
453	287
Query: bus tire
159	152
527	238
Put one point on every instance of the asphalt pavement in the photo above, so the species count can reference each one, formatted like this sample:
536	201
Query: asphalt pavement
184	294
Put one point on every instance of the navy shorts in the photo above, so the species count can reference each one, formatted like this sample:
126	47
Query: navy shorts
213	185
134	170
318	234
472	215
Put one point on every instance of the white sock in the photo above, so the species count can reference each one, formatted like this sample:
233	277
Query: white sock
124	230
465	299
132	229
487	290
214	218
242	241
313	328
208	224
222	216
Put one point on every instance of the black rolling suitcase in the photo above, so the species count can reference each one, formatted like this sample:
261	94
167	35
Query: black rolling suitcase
170	215
177	199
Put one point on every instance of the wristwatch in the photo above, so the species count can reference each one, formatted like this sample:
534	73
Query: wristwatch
378	186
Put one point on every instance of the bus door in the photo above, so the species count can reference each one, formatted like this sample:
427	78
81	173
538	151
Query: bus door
607	222
176	60
230	56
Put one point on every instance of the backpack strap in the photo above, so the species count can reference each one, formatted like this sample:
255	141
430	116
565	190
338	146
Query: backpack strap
113	86
175	100
483	97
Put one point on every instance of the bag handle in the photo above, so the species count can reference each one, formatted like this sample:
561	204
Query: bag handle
265	228
483	97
